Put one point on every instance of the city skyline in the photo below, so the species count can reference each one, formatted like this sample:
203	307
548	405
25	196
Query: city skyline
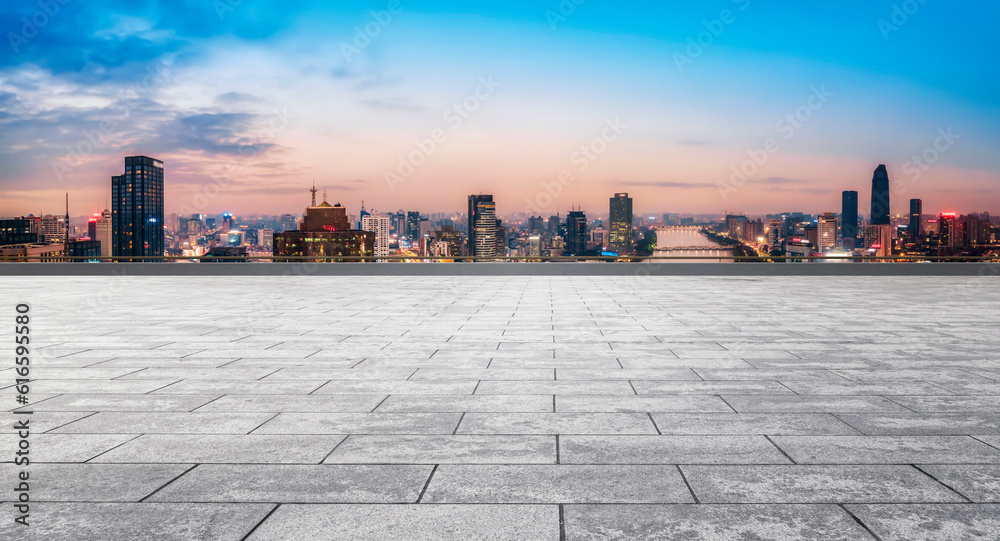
275	98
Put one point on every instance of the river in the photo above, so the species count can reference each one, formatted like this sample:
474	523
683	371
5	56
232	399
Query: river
672	237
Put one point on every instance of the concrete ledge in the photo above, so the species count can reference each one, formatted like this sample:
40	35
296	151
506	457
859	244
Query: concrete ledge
501	269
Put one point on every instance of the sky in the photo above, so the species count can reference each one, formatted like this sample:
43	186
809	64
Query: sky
746	106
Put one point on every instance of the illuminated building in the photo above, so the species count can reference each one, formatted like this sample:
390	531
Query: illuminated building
915	229
576	233
17	231
482	226
826	234
379	225
137	209
948	230
620	238
326	234
103	232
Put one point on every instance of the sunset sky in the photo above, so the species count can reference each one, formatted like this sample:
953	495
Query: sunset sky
275	94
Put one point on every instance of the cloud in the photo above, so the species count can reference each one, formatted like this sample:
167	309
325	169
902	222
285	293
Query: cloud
667	184
392	105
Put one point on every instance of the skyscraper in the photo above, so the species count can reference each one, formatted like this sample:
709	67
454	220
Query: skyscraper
103	232
482	226
576	233
849	220
413	227
880	197
621	224
378	224
137	209
916	211
826	232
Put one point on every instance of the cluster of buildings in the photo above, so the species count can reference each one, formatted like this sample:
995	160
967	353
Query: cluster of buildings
880	234
135	228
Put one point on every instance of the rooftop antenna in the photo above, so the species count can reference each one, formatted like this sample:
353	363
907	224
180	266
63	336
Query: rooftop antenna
314	190
324	195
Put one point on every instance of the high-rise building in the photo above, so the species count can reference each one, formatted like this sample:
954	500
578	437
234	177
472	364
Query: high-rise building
326	234
948	232
265	239
849	220
413	227
621	224
137	209
482	226
576	233
878	239
501	243
17	231
826	232
378	224
52	229
103	232
915	228
880	197
447	242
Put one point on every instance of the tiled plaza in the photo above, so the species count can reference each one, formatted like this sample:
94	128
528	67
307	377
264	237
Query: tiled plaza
507	408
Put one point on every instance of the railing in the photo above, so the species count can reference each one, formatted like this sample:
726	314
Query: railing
506	259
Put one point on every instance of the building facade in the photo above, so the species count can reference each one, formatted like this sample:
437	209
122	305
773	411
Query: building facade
137	209
620	235
482	226
379	225
326	235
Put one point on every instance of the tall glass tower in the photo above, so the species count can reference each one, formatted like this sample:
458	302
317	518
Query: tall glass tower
620	240
137	209
880	197
849	216
482	226
916	212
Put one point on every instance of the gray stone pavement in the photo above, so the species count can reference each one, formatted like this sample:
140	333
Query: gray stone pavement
549	408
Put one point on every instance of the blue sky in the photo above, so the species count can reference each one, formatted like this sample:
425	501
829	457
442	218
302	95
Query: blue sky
247	101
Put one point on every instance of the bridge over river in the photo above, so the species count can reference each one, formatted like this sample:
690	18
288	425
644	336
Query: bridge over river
682	241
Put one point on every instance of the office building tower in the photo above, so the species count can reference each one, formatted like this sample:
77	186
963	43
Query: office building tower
501	235
535	246
379	225
413	227
849	220
447	242
621	224
17	231
826	232
265	239
576	233
325	234
554	226
880	197
915	228
51	229
878	239
137	209
482	226
103	232
948	232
